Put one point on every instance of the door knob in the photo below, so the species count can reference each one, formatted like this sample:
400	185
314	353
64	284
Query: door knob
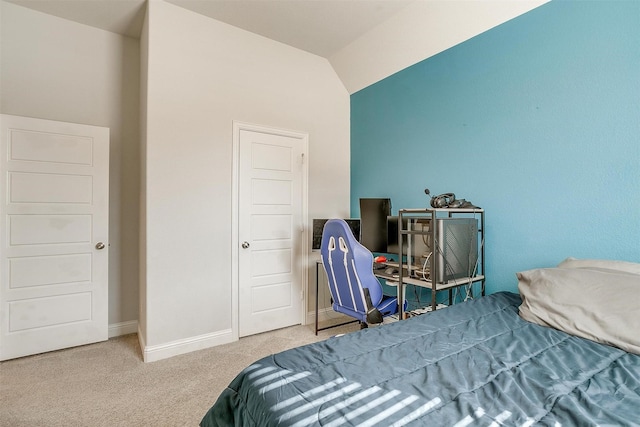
99	245
245	245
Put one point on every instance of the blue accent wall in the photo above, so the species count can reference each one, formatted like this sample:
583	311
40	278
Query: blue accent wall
537	121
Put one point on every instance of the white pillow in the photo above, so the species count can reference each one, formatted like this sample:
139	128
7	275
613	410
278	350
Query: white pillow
621	266
599	305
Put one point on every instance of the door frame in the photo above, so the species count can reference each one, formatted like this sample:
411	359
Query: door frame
239	126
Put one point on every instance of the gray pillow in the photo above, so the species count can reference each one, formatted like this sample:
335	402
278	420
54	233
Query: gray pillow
597	304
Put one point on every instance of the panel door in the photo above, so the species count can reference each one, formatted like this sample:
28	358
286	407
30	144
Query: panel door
54	252
270	230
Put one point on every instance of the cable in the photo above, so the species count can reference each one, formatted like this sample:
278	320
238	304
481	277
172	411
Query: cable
424	267
426	237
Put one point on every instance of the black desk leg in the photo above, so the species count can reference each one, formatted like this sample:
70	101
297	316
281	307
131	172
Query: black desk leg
317	278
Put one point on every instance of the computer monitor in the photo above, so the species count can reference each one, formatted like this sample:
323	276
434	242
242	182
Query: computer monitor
318	227
373	227
393	245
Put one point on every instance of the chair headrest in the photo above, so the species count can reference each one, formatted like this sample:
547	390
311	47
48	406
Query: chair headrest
337	231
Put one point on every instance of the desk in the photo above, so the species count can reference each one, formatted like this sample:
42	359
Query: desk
319	267
451	245
393	280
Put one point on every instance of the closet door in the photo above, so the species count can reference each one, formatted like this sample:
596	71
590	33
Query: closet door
271	199
54	251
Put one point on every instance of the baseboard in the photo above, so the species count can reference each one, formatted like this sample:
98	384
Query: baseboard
123	328
154	353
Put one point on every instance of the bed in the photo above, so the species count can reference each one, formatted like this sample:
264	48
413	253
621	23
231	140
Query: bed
474	363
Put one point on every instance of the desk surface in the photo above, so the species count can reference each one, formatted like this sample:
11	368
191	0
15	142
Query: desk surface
393	279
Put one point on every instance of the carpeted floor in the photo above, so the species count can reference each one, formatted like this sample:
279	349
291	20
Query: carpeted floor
107	384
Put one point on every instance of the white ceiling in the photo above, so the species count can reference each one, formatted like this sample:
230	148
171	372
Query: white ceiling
118	16
321	27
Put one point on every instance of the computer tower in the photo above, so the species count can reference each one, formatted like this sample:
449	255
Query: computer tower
455	248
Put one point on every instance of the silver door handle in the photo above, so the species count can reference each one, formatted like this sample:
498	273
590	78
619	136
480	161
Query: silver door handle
99	245
245	245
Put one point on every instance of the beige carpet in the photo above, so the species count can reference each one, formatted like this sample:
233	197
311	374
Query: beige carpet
107	384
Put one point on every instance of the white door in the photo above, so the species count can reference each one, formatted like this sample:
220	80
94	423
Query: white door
54	194
270	235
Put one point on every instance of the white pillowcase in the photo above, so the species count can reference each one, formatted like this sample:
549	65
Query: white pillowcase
590	302
605	264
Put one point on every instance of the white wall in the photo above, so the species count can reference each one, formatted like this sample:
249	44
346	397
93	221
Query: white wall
422	29
61	70
202	75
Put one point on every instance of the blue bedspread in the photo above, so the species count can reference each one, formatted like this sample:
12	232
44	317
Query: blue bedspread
475	363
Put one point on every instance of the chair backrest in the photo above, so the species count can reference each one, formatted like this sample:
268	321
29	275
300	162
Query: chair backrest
349	267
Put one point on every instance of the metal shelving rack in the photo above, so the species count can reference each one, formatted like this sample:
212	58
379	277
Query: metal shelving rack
435	286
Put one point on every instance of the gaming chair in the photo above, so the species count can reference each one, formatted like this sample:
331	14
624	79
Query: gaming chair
354	288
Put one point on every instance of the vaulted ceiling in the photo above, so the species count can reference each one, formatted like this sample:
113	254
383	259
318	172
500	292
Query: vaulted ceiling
321	27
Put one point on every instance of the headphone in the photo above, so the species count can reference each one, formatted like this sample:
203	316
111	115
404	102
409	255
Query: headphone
446	200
